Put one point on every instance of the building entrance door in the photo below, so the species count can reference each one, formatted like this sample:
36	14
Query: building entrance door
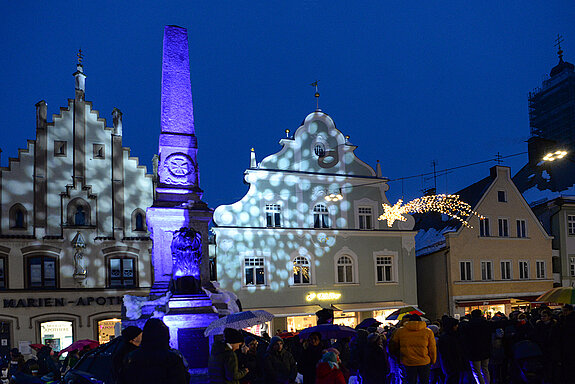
5	340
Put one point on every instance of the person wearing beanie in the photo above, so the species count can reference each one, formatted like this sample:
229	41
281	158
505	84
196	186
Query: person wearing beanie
223	365
279	364
414	345
248	358
154	361
328	370
131	339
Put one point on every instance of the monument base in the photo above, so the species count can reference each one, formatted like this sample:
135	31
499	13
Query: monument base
187	317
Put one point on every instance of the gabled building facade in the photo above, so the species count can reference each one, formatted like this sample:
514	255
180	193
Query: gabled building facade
73	236
306	235
503	261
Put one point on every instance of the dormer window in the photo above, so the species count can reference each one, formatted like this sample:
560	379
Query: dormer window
319	150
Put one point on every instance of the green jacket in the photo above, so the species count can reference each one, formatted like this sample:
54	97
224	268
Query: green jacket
223	365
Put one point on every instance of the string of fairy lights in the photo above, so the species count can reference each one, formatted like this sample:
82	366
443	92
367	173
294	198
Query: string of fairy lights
449	205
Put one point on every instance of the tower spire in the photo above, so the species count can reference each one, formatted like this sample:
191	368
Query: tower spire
80	77
557	44
315	84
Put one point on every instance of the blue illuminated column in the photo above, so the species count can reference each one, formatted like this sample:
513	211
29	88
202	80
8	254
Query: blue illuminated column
178	196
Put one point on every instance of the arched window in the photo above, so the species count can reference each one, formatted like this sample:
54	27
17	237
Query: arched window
320	216
138	220
345	269
301	270
18	217
78	212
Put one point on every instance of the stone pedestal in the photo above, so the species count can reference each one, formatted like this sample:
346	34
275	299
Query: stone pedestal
187	318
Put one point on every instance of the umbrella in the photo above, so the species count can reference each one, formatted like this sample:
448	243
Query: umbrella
369	322
329	331
238	320
398	315
287	335
80	344
559	295
36	347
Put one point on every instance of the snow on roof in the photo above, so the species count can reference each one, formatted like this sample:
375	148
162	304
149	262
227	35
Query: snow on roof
431	240
534	196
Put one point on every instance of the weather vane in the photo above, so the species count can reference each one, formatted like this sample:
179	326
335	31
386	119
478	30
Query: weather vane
559	40
80	56
314	84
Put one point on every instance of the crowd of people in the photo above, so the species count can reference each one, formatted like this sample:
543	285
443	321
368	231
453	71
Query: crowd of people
525	347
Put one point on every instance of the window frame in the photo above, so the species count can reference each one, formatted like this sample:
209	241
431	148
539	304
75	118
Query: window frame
392	266
307	264
273	215
99	151
502	196
254	272
60	144
510	264
487	272
538	264
505	228
43	259
134	221
522	272
463	272
12	214
4	274
571	225
120	257
484	227
322	216
571	266
521	228
361	215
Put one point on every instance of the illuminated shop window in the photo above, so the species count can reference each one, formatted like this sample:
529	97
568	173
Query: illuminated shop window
365	218
273	215
384	269
345	270
109	329
57	334
320	216
41	272
484	230
18	217
301	270
121	272
254	268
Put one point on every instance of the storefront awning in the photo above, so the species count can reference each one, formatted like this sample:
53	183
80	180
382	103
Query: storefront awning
477	303
293	311
374	306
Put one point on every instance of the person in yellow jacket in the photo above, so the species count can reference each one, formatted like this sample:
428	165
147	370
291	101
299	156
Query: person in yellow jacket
414	345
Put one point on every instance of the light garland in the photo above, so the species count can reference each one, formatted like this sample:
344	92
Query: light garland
449	205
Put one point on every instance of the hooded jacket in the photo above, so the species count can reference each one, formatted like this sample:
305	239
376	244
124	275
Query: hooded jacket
414	343
279	367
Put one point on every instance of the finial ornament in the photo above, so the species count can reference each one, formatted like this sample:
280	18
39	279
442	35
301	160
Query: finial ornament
315	84
559	40
80	56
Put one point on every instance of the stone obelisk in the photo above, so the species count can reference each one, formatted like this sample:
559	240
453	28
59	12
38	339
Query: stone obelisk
178	220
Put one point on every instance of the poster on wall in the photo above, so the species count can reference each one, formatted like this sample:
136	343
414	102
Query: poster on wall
50	270
24	347
36	273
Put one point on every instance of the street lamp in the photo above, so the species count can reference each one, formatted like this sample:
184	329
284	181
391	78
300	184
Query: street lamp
557	155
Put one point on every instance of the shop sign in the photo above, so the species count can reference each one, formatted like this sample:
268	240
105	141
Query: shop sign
61	302
322	296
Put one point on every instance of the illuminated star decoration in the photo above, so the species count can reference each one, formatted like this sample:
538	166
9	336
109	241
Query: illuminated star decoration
449	205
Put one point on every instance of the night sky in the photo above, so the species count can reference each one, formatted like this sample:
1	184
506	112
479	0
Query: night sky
445	81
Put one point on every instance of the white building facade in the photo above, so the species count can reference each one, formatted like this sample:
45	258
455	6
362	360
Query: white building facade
73	236
306	235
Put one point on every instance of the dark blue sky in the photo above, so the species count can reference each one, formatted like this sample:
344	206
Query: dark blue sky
445	81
